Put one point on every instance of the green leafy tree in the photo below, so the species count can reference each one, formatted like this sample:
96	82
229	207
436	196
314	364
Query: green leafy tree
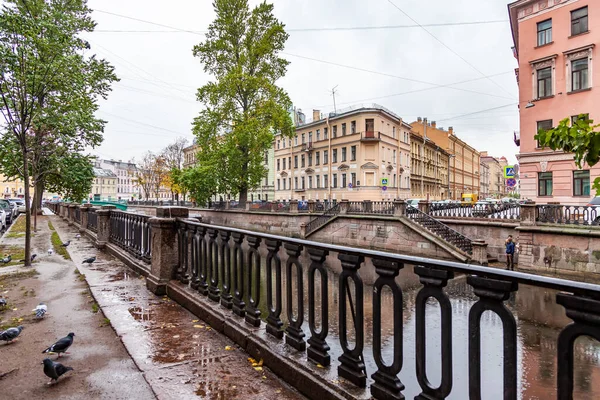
243	107
48	86
73	178
200	182
578	137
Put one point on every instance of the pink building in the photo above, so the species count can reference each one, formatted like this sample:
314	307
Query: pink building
555	45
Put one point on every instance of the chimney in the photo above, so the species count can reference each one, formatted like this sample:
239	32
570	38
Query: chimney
316	115
483	154
450	131
433	124
419	119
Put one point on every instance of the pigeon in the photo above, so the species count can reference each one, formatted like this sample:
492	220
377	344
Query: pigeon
2	302
54	370
33	256
78	236
11	334
7	258
66	244
50	252
89	260
40	310
61	346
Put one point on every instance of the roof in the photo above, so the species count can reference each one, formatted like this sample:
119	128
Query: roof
101	172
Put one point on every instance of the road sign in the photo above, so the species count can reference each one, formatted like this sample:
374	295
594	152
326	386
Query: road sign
511	182
384	188
350	186
384	182
509	171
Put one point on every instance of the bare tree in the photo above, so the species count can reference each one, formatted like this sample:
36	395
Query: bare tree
146	173
173	158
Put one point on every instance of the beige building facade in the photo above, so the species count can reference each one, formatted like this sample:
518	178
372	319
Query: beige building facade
484	179
360	153
428	169
104	186
12	189
464	159
497	183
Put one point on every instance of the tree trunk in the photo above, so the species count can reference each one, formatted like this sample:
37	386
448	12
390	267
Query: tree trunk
243	195
37	201
27	209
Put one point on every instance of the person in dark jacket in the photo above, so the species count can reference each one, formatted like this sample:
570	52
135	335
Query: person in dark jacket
510	253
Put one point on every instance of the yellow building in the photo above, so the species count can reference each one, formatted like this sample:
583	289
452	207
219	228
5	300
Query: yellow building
13	189
428	169
360	153
497	183
464	159
104	186
189	155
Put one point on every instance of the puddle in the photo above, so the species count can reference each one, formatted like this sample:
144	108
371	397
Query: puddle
141	314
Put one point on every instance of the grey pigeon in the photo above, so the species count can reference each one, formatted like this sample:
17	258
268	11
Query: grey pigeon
78	236
10	334
66	244
89	260
7	259
2	302
33	256
61	346
54	370
40	310
50	252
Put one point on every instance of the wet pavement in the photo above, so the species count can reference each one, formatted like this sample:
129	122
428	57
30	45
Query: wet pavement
102	367
180	356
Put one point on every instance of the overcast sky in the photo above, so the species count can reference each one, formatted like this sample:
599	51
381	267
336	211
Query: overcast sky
155	100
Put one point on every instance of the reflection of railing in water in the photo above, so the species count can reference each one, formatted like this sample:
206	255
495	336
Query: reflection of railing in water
224	264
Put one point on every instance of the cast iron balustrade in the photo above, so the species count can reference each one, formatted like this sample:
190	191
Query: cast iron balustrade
131	232
78	214
506	211
92	223
233	255
322	219
567	215
439	229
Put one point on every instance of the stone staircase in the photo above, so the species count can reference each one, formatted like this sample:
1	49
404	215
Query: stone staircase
326	217
440	230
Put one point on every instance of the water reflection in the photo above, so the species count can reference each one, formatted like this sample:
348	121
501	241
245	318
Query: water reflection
539	321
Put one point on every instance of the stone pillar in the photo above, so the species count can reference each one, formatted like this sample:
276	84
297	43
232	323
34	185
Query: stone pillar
71	214
275	206
311	206
247	205
399	208
303	230
367	206
424	207
227	204
165	254
479	252
344	206
85	209
103	233
294	206
528	211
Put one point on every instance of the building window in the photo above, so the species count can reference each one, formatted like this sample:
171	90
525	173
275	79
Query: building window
303	138
295	161
344	129
302	180
334	183
310	182
343	154
394	132
279	184
334	155
544	82
318	181
302	161
283	183
544	32
318	158
576	118
581	183
310	137
353	127
579	21
544	183
290	162
278	164
325	157
394	157
296	182
579	74
343	180
353	153
543	125
369	126
310	159
284	163
334	132
325	133
296	140
318	135
278	145
353	178
290	183
325	181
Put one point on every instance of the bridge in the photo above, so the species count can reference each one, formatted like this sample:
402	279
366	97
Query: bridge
333	321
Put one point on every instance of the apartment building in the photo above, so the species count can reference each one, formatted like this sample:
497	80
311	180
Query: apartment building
104	186
429	177
359	153
554	43
497	182
189	155
126	173
464	159
484	178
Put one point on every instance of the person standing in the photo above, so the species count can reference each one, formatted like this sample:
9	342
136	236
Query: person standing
510	253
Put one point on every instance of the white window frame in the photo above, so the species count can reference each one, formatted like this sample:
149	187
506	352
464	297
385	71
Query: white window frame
541	64
578	54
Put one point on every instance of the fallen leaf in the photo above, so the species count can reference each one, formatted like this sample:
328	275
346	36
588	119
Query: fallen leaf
198	326
15	309
20	319
258	369
131	298
176	337
195	320
228	348
264	377
181	356
320	366
195	336
251	360
278	391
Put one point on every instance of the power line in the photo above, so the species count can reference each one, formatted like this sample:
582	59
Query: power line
332	29
446	46
477	112
142	123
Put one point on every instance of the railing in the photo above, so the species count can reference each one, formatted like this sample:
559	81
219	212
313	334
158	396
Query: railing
437	228
92	222
78	214
131	232
226	264
322	219
489	211
371	207
568	215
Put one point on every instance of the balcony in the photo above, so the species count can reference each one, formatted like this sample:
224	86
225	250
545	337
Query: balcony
307	146
370	136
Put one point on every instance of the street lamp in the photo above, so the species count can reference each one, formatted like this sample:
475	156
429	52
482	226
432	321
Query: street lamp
529	105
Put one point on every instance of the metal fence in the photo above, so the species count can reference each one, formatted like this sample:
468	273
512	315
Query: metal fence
439	229
371	207
488	211
322	219
92	222
132	233
225	264
78	214
568	215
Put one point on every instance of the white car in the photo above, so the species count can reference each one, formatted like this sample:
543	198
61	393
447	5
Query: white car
2	220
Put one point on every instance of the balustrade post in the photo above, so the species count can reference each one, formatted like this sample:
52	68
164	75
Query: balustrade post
103	230
293	206
85	208
311	206
253	277
479	255
247	205
238	304
367	206
344	206
227	204
387	385
213	265
274	305
492	294
294	336
71	214
424	207
528	213
585	313
399	208
318	347
225	256
352	365
274	206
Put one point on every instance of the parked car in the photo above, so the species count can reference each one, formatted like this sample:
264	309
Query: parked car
595	203
8	211
15	207
20	205
483	208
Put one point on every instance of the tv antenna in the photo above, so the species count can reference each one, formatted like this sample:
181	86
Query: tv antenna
333	91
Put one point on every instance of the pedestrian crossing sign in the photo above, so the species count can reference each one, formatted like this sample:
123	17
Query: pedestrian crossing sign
509	171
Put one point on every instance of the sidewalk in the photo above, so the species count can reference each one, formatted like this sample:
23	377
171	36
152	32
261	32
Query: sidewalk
180	356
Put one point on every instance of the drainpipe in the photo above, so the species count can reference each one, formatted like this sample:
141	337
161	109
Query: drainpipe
398	166
330	172
423	156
